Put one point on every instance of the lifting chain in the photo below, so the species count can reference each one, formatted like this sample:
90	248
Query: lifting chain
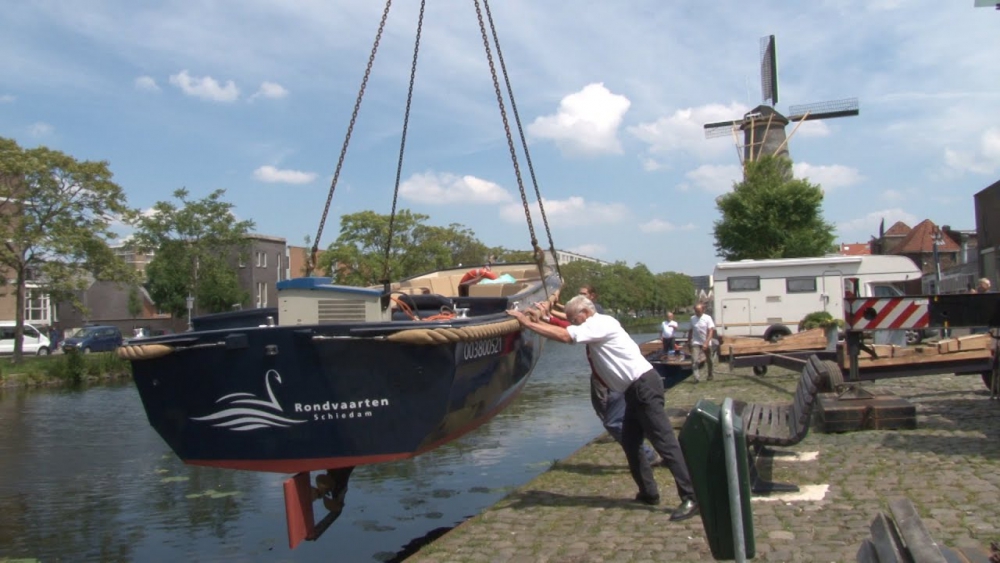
402	144
311	259
524	144
506	127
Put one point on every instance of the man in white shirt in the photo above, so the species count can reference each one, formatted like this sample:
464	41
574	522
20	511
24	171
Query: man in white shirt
667	329
700	340
619	363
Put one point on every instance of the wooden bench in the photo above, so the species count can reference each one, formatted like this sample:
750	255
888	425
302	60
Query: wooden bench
782	424
900	536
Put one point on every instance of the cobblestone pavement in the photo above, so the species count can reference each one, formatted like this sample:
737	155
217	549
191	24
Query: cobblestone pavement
581	509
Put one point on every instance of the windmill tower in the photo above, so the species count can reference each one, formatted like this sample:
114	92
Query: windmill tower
763	127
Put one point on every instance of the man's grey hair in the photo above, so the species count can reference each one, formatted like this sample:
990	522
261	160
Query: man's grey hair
577	304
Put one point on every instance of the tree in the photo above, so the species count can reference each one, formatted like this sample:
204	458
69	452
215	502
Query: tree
134	301
769	215
194	242
56	214
358	257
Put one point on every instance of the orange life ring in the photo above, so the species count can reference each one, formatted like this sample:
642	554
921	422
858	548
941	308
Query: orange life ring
477	274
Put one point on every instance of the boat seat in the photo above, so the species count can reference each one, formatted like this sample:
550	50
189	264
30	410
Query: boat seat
444	285
424	302
495	289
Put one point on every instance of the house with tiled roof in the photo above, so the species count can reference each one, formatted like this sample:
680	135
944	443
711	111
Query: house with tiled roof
855	249
955	254
919	245
890	239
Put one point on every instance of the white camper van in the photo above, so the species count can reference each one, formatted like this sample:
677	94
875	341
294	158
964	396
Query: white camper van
768	298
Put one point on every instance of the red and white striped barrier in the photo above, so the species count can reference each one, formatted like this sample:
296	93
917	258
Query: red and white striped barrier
883	313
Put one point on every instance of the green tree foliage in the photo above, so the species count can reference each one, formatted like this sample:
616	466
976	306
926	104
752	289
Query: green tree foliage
357	257
196	243
56	215
770	215
134	301
625	290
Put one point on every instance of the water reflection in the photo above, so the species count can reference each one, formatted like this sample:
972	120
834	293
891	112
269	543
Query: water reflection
83	476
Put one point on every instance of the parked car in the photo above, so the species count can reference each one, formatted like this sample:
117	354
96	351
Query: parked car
94	339
142	333
34	341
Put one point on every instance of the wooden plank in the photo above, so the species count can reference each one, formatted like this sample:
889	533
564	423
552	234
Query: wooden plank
647	348
919	542
974	342
903	351
918	359
946	346
814	339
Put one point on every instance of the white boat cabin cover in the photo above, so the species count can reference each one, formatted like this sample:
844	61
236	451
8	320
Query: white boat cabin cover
768	298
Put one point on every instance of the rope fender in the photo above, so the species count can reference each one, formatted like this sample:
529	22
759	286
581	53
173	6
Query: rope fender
143	351
431	336
422	336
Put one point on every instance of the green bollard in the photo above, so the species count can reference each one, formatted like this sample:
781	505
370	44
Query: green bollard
703	445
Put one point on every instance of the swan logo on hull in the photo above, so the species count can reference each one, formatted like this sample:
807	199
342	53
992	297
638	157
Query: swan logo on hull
243	411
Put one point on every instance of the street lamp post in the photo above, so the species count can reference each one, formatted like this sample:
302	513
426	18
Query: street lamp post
938	239
190	305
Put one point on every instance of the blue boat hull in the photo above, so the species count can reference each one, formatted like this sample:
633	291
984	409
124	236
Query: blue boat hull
290	399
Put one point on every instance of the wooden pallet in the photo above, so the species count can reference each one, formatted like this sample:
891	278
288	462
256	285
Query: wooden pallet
882	411
973	347
814	339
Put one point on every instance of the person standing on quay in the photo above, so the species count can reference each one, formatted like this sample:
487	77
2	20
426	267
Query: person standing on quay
609	406
620	366
700	340
667	329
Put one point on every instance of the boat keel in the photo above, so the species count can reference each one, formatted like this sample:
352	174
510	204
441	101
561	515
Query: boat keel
300	495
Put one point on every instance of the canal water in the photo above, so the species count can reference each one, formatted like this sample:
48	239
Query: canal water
83	477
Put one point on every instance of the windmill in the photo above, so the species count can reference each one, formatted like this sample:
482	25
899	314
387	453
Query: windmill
764	127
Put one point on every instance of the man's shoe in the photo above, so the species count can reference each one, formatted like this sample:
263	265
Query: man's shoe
686	510
647	499
710	378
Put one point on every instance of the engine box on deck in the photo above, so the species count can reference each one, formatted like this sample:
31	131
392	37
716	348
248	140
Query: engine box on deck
312	300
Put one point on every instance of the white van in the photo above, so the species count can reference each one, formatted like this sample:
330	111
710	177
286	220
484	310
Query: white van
768	298
34	341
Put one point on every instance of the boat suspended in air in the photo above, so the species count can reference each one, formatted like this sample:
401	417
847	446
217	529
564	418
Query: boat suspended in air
338	376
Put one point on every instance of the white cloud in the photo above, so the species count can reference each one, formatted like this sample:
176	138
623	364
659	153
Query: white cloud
685	130
206	88
7	98
893	196
270	90
869	224
651	164
982	161
586	123
273	175
713	178
443	189
146	83
592	250
828	177
572	211
661	226
40	129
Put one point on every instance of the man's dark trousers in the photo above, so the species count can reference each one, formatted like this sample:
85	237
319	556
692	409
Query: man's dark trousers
645	417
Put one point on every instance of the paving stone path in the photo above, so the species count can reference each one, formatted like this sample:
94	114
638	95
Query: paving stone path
581	509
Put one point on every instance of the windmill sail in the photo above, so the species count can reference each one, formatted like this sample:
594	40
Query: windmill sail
768	70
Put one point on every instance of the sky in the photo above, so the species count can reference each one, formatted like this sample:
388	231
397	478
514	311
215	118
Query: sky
255	97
